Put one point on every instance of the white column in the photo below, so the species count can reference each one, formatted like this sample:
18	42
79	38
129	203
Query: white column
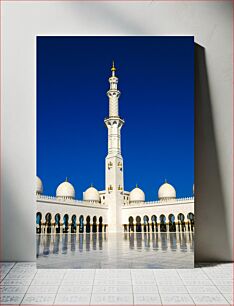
114	161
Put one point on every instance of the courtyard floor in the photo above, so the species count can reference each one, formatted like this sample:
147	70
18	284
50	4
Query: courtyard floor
122	250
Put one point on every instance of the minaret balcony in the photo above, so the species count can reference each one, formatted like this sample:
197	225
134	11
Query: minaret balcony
110	120
113	94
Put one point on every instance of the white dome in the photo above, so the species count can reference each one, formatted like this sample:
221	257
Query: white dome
39	189
137	195
65	190
166	191
91	194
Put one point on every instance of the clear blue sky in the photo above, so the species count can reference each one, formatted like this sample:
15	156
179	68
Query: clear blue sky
156	80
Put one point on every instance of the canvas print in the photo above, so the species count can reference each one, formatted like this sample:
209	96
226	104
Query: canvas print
115	152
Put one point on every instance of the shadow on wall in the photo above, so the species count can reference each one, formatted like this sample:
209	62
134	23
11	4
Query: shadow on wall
211	223
17	225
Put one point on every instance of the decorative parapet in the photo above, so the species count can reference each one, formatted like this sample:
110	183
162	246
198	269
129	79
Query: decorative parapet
68	201
170	200
161	202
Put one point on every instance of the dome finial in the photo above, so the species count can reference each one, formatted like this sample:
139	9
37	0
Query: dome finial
113	66
91	185
165	181
136	185
66	180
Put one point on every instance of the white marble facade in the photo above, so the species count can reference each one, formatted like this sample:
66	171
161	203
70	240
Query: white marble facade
113	209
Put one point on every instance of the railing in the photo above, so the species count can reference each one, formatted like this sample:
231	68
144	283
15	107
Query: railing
69	201
159	202
170	200
97	204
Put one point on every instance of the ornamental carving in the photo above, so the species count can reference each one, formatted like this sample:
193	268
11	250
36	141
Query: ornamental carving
110	165
120	166
110	188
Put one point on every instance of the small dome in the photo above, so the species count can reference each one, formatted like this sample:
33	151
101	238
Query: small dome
65	190
166	191
39	189
91	194
137	195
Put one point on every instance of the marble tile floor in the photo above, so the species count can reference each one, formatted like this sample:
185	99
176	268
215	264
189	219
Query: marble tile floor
208	284
116	250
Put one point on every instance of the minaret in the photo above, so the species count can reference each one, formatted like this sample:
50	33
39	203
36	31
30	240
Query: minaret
114	159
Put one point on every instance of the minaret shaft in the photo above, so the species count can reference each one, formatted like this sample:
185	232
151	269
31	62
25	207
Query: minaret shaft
114	125
114	161
113	94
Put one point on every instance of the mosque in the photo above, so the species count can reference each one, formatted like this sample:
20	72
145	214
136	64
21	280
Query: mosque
113	209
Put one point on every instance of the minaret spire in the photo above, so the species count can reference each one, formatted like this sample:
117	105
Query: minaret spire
113	69
113	94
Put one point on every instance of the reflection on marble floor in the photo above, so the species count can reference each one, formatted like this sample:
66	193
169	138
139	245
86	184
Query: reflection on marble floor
122	250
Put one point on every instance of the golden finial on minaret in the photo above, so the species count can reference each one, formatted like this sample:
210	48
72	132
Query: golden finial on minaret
113	66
